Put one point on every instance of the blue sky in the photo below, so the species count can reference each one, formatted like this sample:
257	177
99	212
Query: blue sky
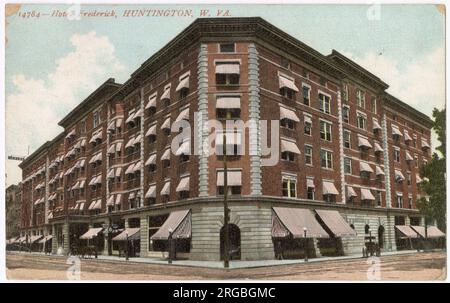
48	59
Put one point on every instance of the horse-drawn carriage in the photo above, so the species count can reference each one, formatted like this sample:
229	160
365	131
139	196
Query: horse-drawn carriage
371	247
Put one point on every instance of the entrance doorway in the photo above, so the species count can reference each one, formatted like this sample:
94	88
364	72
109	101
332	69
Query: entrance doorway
381	236
235	242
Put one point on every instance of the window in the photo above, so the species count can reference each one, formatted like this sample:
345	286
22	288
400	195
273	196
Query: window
347	139
410	202
326	159
310	190
324	103
289	187
374	105
184	195
287	93
285	63
306	94
361	122
396	155
227	79
360	98
345	92
408	178
184	158
378	198
228	113
232	190
308	127
399	201
348	166
97	118
416	161
288	156
346	114
227	47
83	127
184	92
308	155
325	130
287	123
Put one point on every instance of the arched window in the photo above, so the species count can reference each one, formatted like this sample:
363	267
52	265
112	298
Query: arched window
366	228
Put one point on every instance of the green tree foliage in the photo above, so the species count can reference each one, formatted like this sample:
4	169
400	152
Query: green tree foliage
433	204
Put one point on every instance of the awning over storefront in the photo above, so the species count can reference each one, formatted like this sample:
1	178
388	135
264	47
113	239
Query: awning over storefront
288	114
227	68
329	188
33	239
179	222
287	83
133	234
432	231
289	146
334	221
366	194
91	233
406	231
45	239
234	178
363	142
292	221
228	102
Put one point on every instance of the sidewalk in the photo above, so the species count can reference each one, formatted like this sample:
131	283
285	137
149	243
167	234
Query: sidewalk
219	264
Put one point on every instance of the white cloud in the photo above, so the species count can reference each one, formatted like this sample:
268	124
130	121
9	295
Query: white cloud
37	105
420	83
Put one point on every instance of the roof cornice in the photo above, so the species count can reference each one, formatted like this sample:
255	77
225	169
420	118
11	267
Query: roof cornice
400	106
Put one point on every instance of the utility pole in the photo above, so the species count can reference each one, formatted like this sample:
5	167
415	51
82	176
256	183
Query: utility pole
226	244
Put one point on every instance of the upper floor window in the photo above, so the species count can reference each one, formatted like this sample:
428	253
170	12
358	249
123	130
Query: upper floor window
361	122
374	105
347	165
285	63
308	126
227	47
97	118
347	139
308	155
324	103
326	159
345	92
399	201
289	187
396	155
306	95
83	127
346	114
227	73
325	130
360	98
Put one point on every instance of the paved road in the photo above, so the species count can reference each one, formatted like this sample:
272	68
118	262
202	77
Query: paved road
420	266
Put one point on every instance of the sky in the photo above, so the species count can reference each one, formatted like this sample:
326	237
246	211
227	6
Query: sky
53	63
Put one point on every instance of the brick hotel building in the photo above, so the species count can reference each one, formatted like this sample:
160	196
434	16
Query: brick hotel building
349	163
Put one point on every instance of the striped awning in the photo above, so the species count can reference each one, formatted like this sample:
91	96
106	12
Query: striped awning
184	83
287	83
227	68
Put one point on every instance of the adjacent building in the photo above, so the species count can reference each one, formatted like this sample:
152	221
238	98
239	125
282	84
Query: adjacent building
346	166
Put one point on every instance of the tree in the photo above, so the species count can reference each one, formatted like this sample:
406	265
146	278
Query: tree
433	204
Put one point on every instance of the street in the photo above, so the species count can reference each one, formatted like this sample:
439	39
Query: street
418	266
